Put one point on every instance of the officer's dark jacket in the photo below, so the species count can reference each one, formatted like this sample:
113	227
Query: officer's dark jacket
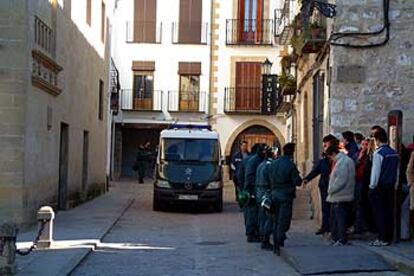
236	161
240	173
262	187
322	167
283	176
250	173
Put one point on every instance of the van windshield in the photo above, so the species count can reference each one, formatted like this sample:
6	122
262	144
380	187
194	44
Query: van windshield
176	149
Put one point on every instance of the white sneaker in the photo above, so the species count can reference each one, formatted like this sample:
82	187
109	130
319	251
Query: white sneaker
379	243
338	243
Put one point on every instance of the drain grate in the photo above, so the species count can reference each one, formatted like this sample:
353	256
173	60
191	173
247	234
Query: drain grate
211	243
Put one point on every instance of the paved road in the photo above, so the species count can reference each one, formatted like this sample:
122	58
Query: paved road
144	242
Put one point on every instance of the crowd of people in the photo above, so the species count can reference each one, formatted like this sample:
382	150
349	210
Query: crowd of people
358	177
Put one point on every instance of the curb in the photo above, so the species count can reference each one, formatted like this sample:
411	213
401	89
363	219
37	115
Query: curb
400	263
72	268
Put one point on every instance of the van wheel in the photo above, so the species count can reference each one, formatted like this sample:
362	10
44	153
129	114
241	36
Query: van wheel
218	207
157	205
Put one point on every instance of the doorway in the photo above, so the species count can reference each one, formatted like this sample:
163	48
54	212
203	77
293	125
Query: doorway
85	162
63	166
248	83
318	111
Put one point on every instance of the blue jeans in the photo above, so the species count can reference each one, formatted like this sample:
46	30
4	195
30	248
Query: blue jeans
339	215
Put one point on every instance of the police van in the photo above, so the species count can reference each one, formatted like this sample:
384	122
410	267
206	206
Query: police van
188	168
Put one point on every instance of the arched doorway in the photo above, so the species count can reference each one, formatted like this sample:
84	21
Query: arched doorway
255	134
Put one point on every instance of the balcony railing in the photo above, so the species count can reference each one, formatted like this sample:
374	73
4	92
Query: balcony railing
143	32
187	101
311	39
284	18
194	33
249	32
243	100
44	36
140	101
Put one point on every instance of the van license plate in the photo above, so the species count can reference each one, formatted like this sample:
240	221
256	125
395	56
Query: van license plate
188	197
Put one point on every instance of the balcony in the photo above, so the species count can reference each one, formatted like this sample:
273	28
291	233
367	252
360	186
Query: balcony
140	101
187	101
249	32
284	18
243	100
310	39
44	36
194	33
143	32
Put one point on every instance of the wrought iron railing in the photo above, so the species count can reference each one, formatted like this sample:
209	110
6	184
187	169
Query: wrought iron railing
138	100
143	32
187	101
243	100
44	36
190	33
249	32
284	19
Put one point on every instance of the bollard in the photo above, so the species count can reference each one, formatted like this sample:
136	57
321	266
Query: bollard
8	234
45	215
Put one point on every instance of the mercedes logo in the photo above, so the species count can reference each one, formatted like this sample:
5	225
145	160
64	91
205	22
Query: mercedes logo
188	171
188	186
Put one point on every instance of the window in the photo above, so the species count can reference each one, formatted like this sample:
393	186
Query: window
101	102
143	85
145	21
190	21
204	150
89	12
143	90
189	92
103	20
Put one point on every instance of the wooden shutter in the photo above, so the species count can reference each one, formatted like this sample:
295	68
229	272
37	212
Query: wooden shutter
248	80
190	21
145	20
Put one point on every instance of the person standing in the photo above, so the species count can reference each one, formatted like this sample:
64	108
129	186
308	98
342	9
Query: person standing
262	190
361	187
142	160
282	176
351	146
251	210
235	164
340	193
381	194
408	203
323	168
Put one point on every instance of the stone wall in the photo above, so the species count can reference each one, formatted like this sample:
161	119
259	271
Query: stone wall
13	84
30	117
368	83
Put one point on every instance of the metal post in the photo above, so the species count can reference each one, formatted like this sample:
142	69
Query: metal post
45	215
8	234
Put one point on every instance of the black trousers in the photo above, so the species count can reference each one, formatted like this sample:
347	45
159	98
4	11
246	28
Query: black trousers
326	209
339	216
382	204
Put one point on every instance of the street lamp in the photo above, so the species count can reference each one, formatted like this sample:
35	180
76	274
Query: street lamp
266	67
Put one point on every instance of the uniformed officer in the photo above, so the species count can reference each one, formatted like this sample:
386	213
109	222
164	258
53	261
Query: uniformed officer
283	176
250	209
263	190
235	164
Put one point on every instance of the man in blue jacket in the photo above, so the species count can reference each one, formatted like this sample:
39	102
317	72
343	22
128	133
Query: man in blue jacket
384	175
350	145
323	168
251	210
283	176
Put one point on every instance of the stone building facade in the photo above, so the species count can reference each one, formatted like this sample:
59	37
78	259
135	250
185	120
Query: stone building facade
361	71
53	99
